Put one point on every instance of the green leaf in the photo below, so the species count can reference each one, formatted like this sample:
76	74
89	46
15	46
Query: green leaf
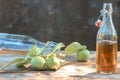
73	47
57	47
27	56
33	51
21	64
47	44
12	62
40	51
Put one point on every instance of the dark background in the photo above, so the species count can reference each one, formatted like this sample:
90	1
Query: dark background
55	20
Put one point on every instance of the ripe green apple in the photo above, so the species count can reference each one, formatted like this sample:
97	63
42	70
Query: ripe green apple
83	55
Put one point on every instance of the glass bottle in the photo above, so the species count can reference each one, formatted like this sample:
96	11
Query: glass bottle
20	44
106	43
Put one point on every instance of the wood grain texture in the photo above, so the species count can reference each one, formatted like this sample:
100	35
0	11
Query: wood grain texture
72	71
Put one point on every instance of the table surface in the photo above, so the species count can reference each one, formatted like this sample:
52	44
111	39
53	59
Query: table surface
74	70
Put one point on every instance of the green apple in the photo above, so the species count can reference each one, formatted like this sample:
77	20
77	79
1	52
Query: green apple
53	62
38	63
83	55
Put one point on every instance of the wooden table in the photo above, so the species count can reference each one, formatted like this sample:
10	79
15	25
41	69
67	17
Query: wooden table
72	71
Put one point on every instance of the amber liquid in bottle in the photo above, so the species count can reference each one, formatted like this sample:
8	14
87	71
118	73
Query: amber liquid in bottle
106	58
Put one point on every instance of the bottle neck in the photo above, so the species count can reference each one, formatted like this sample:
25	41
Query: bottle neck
108	17
107	11
107	30
107	14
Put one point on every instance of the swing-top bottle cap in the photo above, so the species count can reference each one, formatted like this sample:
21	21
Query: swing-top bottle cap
108	7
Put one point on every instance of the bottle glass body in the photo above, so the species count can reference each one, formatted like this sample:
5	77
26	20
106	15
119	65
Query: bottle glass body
106	43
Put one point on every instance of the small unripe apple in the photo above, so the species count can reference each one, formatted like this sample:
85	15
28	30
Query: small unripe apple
53	63
83	55
38	63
